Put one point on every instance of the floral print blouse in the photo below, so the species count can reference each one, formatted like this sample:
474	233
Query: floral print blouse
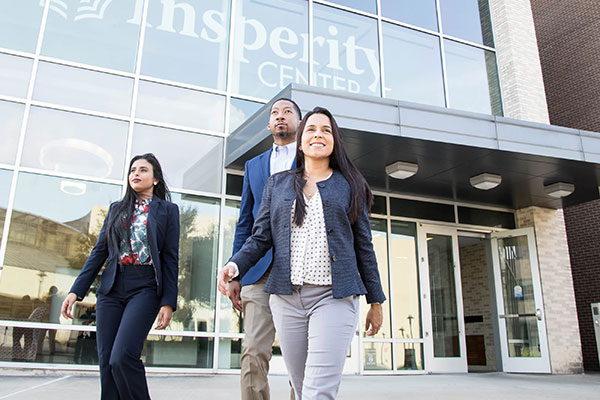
136	251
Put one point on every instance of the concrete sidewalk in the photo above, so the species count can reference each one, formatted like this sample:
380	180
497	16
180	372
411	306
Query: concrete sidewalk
493	386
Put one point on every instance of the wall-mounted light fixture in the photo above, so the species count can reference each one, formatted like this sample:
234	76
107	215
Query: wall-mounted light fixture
401	169
485	181
559	189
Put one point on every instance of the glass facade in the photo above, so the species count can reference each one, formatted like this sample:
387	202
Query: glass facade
84	86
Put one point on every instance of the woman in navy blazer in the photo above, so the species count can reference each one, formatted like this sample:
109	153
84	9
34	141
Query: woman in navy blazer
315	282
139	242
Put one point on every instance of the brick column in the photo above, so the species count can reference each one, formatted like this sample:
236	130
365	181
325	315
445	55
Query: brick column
519	66
557	287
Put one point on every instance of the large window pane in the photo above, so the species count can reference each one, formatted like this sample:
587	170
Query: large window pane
467	19
187	42
185	107
419	80
198	249
362	5
419	13
11	115
472	79
346	51
231	319
240	111
20	24
14	75
101	33
5	180
48	244
444	307
77	87
409	356
178	351
270	46
377	356
49	345
405	281
67	142
193	163
380	245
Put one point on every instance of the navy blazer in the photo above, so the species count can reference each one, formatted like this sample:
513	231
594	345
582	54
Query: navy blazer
257	171
163	240
353	263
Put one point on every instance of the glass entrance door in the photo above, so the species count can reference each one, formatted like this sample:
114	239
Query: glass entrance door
522	331
443	318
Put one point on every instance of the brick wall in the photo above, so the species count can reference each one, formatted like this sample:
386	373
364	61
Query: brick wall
562	326
583	231
518	61
476	299
567	34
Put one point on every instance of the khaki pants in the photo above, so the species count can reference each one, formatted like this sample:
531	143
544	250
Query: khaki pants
257	346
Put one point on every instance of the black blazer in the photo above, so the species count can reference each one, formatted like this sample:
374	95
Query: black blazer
163	240
353	263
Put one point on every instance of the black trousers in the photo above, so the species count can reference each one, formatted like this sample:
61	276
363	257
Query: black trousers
123	319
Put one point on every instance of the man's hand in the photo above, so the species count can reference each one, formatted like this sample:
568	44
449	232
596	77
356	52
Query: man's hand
224	277
235	289
164	317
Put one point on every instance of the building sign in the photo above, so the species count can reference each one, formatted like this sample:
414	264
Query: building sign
270	42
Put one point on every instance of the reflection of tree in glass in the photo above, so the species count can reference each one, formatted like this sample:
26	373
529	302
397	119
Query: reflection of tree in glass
197	269
86	243
185	309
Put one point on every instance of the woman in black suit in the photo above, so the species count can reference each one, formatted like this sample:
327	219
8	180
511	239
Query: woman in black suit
140	243
316	220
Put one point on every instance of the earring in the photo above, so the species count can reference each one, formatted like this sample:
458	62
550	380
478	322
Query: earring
155	183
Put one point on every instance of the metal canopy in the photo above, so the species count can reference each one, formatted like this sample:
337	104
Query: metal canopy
449	146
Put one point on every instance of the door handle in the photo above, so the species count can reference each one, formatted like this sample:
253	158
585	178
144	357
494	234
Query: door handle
538	315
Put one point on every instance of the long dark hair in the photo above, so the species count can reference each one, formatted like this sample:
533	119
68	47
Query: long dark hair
123	210
360	192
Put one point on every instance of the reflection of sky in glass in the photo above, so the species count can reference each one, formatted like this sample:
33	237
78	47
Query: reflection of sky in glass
419	80
464	19
42	196
270	46
195	162
103	33
80	144
362	5
187	42
346	51
241	110
14	75
11	115
467	78
82	88
420	13
20	24
185	107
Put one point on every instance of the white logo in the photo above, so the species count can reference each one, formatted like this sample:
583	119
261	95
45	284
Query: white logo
87	8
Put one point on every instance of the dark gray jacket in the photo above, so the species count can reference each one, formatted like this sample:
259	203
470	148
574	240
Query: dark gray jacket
353	264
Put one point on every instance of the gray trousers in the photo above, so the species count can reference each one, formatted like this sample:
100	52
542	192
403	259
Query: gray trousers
257	346
315	331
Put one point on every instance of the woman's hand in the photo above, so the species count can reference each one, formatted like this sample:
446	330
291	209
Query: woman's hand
374	319
67	306
224	276
164	317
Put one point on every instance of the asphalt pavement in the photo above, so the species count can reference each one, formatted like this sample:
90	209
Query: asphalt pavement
52	385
